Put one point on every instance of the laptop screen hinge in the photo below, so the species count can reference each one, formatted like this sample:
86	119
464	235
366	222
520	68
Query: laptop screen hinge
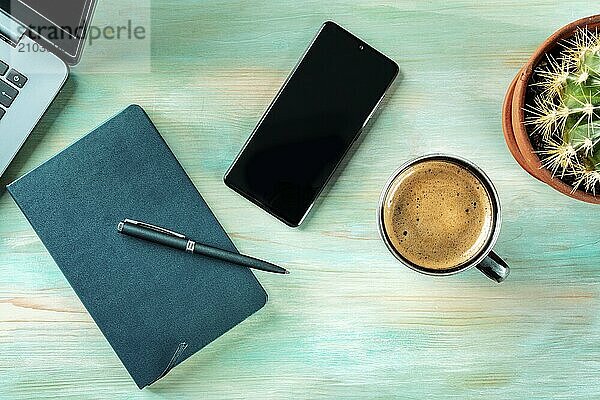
10	30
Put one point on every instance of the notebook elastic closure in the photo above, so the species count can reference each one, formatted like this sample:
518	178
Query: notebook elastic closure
174	359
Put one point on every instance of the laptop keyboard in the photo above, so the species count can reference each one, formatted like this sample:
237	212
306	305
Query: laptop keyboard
9	86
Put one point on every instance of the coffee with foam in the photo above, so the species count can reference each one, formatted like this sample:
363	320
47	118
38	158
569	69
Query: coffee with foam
438	215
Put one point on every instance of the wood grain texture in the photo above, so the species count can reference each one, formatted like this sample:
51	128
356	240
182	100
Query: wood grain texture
349	322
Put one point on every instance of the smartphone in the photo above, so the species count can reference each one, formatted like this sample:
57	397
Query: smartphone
307	130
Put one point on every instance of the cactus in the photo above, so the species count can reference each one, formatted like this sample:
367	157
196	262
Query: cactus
565	112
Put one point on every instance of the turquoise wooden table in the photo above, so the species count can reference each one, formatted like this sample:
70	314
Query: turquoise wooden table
349	322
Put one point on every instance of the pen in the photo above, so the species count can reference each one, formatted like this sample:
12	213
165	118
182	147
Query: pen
165	237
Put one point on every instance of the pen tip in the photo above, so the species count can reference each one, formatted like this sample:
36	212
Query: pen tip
287	272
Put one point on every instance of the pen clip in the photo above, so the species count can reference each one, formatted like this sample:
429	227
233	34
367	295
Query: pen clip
154	228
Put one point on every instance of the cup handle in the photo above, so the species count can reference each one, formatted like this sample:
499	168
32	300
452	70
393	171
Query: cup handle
494	267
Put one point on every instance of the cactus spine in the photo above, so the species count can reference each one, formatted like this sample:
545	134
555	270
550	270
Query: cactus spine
566	112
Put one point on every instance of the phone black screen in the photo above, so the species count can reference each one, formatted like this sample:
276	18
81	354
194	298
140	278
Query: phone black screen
311	124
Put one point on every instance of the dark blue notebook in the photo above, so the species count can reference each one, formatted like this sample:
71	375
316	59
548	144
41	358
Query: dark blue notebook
156	306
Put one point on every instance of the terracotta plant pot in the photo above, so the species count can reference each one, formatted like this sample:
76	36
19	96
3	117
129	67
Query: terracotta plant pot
513	115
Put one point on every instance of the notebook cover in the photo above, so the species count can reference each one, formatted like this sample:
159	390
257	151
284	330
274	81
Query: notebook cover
156	306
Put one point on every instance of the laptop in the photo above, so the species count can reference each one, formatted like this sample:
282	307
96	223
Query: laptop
40	40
